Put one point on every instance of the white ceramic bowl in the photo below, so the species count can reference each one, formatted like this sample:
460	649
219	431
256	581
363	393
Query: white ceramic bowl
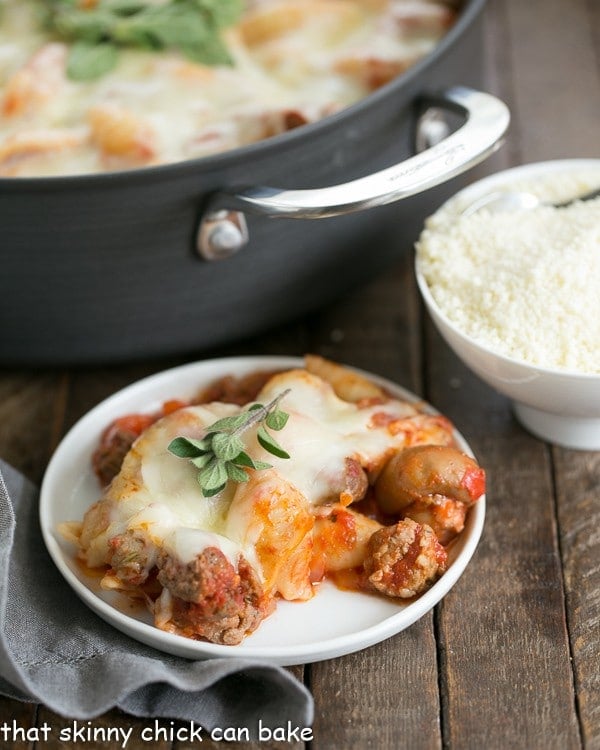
556	405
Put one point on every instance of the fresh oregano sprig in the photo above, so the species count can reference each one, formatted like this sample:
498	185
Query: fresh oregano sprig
220	455
96	29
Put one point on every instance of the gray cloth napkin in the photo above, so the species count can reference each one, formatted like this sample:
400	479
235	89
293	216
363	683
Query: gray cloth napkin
55	651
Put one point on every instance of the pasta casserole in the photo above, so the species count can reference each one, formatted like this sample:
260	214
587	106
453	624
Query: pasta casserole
99	85
210	520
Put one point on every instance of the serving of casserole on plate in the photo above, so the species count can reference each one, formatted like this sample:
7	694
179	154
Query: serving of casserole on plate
274	494
101	85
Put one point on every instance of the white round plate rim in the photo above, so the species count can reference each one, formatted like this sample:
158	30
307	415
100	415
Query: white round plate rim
183	381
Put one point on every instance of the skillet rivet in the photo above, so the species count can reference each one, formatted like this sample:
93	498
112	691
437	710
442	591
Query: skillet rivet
221	235
225	239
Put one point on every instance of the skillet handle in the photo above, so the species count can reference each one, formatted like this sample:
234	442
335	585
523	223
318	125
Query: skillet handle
222	231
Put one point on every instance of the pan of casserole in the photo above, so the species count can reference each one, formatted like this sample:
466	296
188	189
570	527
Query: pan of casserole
140	142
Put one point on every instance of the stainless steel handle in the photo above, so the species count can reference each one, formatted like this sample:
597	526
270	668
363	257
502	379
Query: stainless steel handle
223	231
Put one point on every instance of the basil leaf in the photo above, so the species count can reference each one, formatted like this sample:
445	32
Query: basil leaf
88	61
222	12
91	26
208	51
125	7
191	26
160	27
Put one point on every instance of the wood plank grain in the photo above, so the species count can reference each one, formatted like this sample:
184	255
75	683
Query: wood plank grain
18	725
30	408
387	696
376	328
106	732
229	738
493	656
556	78
87	388
384	698
502	629
593	8
517	653
504	656
555	52
578	498
499	80
289	340
212	741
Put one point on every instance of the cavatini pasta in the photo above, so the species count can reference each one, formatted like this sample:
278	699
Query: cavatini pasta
212	512
68	106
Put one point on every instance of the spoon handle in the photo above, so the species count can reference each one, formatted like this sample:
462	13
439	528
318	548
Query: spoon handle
585	197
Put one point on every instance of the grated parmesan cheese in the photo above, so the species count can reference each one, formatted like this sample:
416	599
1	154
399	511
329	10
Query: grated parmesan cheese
525	284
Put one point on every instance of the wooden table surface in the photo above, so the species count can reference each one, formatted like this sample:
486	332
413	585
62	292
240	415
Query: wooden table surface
511	657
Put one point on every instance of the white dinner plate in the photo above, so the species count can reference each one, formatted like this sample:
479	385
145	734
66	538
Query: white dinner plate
333	623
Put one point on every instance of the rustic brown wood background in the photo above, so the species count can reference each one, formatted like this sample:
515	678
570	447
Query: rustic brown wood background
511	657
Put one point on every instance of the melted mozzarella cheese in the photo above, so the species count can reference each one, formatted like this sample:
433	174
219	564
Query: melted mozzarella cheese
157	496
186	544
322	431
298	58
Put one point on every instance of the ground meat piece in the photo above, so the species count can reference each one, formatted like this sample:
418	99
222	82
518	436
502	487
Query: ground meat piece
212	600
120	435
209	580
355	480
108	457
404	559
232	390
115	443
132	557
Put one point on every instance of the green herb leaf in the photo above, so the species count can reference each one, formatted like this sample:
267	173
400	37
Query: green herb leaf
213	476
222	13
191	26
202	461
245	460
229	423
226	447
277	420
183	447
221	456
212	492
269	443
207	51
235	473
77	25
90	60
